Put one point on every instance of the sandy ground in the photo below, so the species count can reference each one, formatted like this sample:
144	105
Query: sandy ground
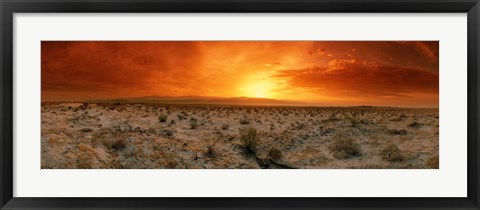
76	135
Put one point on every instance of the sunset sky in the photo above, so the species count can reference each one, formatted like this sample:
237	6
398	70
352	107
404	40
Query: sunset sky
337	73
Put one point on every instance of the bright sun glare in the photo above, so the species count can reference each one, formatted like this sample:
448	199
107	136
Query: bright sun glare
258	90
260	94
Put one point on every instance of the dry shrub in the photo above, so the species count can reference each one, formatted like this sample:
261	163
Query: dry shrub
193	124
397	119
249	139
211	151
397	132
225	126
331	118
167	133
171	164
433	161
244	121
162	118
117	143
274	154
353	121
344	147
167	159
414	125
86	130
391	153
84	106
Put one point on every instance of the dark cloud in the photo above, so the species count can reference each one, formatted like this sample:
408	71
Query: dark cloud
353	77
119	67
407	54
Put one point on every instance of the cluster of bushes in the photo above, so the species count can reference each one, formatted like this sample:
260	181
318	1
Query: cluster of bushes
343	147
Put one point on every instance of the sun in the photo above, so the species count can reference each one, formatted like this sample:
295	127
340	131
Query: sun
259	93
258	89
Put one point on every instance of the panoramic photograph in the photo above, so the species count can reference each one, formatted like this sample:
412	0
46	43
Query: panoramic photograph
240	105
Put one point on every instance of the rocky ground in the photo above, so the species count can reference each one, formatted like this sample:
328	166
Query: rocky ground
137	136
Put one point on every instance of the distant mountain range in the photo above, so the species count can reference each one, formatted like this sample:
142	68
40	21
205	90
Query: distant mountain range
206	100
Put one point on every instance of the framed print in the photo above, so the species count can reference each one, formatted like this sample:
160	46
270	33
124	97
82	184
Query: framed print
239	105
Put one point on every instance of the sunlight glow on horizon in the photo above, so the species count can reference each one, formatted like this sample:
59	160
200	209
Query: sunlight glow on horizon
259	87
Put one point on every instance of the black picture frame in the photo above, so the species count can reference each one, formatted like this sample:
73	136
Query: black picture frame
9	7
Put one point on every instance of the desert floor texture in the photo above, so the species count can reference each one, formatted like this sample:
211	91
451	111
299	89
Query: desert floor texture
163	136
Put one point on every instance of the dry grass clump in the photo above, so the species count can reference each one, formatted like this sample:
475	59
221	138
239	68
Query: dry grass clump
344	147
167	133
249	139
212	152
117	144
84	106
225	126
391	153
162	118
193	124
331	118
414	125
397	119
171	164
244	121
353	121
433	161
397	132
274	154
86	130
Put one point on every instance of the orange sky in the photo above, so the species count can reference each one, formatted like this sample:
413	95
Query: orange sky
383	73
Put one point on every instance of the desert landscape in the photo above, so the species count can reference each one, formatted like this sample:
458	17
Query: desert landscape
169	136
240	104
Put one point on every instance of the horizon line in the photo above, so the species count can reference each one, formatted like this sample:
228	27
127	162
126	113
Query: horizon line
233	104
172	102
